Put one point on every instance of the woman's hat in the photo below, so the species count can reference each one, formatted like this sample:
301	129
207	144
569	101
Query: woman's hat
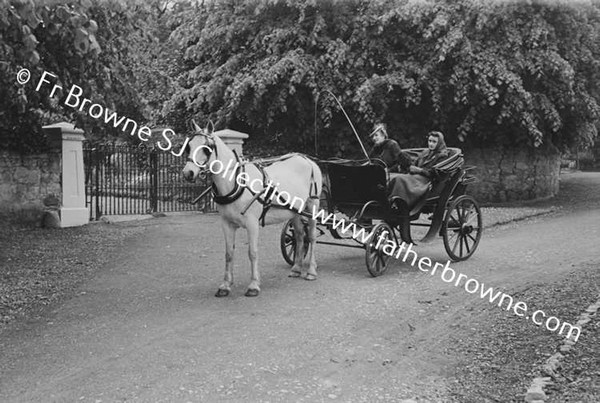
379	127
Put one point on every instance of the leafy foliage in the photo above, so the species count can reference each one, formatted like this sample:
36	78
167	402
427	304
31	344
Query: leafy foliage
482	72
98	47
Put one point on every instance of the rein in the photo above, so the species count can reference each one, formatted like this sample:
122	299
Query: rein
237	190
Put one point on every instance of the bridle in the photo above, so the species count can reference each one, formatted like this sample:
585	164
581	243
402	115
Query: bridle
210	143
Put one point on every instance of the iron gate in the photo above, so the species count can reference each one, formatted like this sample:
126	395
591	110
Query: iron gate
123	179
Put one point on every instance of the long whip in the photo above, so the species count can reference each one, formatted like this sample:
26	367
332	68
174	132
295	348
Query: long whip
349	121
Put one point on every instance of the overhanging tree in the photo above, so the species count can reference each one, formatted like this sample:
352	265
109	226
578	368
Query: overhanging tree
106	47
503	73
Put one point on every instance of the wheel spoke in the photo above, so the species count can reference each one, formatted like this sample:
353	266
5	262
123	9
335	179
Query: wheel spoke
380	262
467	245
471	218
456	232
458	211
455	245
471	236
468	215
461	245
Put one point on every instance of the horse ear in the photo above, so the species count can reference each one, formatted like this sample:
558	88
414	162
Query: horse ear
212	126
197	128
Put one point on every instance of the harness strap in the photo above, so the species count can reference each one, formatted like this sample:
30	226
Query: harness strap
229	198
267	199
265	196
237	190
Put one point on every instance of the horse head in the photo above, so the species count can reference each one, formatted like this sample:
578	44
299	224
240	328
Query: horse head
198	151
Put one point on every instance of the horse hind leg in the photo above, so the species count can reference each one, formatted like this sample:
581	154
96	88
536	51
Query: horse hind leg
229	232
296	270
311	272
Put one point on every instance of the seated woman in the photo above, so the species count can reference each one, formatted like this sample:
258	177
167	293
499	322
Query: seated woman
410	187
388	150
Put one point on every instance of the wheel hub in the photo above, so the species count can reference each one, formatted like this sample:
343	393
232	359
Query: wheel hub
466	229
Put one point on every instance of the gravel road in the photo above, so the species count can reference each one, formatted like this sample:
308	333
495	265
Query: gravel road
140	322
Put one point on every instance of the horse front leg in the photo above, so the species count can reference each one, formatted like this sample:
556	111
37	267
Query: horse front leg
229	232
254	287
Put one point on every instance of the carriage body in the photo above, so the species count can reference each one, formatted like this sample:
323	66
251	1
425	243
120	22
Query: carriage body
357	192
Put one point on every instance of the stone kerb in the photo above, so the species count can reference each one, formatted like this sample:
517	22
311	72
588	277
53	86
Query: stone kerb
71	209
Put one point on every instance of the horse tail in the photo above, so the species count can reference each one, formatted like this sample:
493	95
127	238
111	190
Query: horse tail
316	179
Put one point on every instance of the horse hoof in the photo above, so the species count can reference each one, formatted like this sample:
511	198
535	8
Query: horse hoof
222	293
310	277
252	292
294	274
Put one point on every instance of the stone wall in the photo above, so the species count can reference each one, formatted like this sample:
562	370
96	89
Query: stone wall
506	174
29	185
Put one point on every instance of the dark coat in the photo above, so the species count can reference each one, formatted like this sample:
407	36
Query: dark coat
429	158
389	152
411	187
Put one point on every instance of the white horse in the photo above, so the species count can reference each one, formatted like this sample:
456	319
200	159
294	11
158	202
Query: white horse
291	183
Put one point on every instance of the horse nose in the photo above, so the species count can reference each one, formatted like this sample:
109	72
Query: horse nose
188	175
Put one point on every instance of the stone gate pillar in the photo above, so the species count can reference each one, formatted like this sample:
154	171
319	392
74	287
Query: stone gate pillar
72	210
233	139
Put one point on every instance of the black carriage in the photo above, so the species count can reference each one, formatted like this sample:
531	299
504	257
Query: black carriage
356	191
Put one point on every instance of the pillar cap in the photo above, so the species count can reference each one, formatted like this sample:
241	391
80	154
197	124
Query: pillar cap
65	127
231	134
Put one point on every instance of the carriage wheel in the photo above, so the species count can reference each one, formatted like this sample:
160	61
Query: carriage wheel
462	228
288	242
376	259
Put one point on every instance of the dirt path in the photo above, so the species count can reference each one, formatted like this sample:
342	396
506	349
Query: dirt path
147	327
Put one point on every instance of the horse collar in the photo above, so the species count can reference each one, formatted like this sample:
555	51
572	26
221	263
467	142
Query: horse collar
237	190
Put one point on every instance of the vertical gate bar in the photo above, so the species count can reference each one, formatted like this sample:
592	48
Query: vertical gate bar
124	161
149	183
117	182
96	184
144	181
105	180
159	185
114	185
131	184
154	178
123	157
126	183
109	182
122	179
99	189
128	192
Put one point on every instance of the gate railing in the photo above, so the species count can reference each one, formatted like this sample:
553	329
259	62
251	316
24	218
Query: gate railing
122	179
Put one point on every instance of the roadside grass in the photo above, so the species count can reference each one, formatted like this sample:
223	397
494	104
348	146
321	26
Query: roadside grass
39	267
505	352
